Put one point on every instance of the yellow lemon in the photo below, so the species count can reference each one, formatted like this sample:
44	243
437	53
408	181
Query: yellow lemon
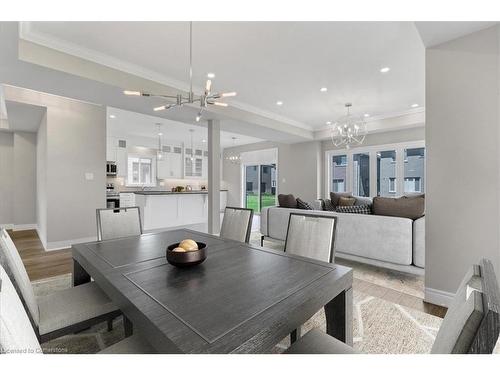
189	245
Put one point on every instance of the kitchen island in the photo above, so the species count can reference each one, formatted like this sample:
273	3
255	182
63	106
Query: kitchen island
166	209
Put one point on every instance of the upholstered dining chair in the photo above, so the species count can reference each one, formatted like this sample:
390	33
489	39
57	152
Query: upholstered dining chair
311	236
118	222
237	224
17	335
471	324
61	312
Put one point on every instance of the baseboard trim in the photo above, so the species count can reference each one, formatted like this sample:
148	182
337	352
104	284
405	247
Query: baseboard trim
7	226
59	245
438	297
18	227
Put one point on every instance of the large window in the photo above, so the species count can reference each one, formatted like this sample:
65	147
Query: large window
260	186
414	170
389	170
140	171
361	175
338	173
386	173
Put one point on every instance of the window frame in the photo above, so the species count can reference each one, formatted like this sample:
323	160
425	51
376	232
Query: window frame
153	170
372	151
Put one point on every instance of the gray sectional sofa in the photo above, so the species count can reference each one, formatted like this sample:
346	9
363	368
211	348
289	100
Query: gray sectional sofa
386	241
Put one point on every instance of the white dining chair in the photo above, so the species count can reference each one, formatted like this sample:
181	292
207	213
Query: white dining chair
471	324
62	312
17	335
118	222
237	224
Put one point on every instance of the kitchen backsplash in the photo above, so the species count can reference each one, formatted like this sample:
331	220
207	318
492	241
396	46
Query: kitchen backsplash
119	183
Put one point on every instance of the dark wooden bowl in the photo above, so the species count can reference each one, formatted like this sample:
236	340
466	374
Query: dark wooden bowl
188	258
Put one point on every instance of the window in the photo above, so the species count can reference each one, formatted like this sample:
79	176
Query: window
386	173
361	176
140	171
414	170
392	184
339	168
412	185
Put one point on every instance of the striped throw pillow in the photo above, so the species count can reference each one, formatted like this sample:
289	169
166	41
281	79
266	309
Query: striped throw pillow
364	209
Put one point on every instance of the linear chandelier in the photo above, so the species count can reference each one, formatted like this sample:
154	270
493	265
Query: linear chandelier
349	130
208	98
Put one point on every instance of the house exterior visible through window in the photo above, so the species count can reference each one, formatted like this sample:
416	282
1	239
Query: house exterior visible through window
140	171
412	185
392	184
414	170
338	173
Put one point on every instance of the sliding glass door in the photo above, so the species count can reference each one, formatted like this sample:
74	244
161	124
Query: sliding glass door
260	186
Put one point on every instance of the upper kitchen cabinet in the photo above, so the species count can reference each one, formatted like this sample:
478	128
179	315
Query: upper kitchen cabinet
195	163
121	158
170	163
111	145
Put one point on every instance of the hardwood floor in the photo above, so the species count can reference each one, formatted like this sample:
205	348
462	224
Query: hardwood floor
41	264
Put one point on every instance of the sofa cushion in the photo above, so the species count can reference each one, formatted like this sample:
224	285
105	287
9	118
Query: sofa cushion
365	209
287	201
346	201
334	197
363	201
410	207
328	205
303	205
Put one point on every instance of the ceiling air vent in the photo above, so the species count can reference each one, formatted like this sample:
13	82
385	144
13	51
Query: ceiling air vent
122	143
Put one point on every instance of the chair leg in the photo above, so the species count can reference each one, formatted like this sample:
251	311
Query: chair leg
295	335
127	326
261	241
110	325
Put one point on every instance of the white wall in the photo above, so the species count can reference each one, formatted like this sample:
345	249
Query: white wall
463	163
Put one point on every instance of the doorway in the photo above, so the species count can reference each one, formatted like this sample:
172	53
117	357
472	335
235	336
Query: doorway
260	186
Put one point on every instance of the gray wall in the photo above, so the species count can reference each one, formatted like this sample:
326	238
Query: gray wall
41	180
298	169
24	192
462	125
17	176
6	177
71	142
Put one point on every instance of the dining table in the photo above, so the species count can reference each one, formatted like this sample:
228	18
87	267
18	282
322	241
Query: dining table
241	299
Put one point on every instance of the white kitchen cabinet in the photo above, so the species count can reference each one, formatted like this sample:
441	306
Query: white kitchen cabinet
170	165
163	167
127	199
111	146
223	200
121	161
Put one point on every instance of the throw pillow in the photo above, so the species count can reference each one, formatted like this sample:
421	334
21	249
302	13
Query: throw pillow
334	197
363	201
363	209
410	207
328	205
287	201
345	201
303	205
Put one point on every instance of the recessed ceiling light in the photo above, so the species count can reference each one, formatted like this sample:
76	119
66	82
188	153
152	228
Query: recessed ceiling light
415	105
279	102
328	122
203	140
385	69
160	134
323	89
366	115
211	75
112	116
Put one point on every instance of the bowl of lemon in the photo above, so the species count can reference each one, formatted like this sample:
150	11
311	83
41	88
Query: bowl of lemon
186	253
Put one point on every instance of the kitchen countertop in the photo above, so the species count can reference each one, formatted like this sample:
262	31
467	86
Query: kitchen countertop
165	192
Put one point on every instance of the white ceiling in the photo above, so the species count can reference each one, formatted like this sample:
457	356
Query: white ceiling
139	125
23	117
265	61
434	33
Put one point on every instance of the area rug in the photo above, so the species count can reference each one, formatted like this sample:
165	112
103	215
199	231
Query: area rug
379	326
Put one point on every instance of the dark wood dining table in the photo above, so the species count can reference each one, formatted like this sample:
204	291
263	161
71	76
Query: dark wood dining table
242	299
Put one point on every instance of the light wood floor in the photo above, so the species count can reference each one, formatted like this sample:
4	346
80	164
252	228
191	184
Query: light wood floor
41	264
